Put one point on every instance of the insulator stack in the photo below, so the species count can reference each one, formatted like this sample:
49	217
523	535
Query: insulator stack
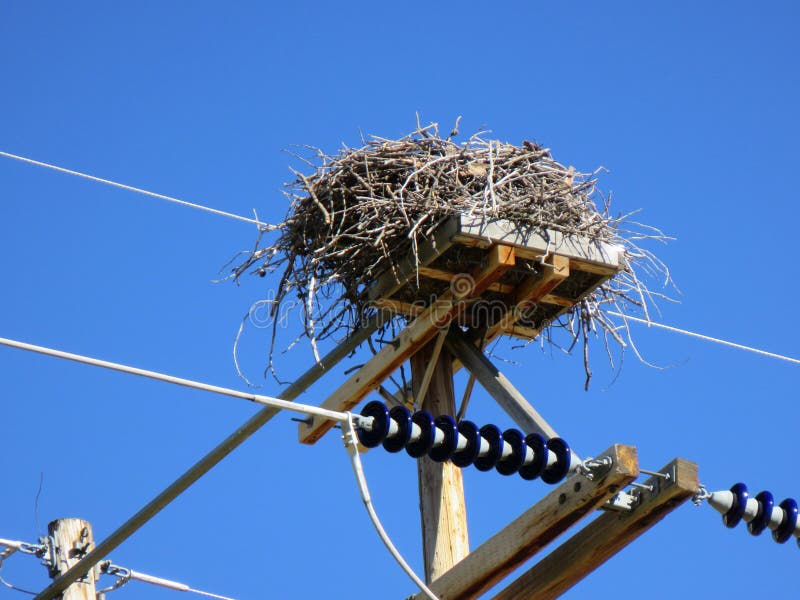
464	444
759	512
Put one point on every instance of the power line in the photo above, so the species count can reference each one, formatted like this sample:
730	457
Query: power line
273	405
110	543
125	575
107	568
207	462
198	385
351	445
265	226
130	188
707	338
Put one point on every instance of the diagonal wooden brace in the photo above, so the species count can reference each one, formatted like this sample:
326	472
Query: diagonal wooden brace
605	536
497	385
420	331
535	528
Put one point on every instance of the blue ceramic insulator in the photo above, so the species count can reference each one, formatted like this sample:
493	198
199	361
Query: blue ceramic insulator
557	472
466	456
736	511
420	447
539	446
397	441
494	437
443	451
765	504
786	528
380	424
512	463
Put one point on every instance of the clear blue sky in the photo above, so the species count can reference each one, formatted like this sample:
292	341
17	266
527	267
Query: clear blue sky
692	107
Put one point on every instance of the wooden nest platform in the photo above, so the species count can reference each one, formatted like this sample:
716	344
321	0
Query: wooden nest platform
551	273
396	224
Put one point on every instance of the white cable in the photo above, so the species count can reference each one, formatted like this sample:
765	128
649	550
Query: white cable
707	338
172	585
137	190
350	443
257	398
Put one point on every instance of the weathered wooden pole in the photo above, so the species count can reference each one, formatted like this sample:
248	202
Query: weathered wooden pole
72	540
441	488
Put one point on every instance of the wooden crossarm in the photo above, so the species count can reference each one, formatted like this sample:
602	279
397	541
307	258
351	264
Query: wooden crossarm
604	537
436	317
535	528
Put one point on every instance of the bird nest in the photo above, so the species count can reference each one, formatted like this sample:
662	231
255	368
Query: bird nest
360	211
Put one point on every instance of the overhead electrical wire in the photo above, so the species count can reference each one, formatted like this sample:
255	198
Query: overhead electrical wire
277	403
96	362
107	568
131	188
346	418
706	338
265	226
210	459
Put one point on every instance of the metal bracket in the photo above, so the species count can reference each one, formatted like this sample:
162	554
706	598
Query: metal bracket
596	468
621	502
627	501
658	480
48	554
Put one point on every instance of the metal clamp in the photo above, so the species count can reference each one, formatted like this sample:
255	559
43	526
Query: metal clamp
594	468
621	502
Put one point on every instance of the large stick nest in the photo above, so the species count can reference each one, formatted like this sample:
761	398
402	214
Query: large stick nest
361	210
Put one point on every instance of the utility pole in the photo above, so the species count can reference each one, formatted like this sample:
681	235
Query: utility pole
441	488
72	540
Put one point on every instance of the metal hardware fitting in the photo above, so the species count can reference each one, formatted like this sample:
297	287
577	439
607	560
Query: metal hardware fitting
621	502
592	468
665	476
643	486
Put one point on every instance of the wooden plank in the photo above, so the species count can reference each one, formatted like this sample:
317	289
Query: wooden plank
539	242
604	537
396	277
447	276
558	300
535	528
398	307
439	315
589	267
497	385
443	512
576	264
531	291
584	255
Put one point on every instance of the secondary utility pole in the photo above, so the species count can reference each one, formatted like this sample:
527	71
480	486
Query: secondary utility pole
72	540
